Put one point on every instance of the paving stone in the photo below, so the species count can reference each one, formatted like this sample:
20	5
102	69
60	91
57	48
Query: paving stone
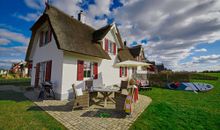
87	119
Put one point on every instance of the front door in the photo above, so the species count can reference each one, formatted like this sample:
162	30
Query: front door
37	74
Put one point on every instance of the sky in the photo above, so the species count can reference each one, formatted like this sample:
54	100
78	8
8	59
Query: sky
184	35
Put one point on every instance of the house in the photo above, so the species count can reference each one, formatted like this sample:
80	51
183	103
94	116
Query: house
161	67
3	71
135	53
19	68
67	51
152	69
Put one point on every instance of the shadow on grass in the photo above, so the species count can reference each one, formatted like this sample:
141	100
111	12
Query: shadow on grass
67	107
12	95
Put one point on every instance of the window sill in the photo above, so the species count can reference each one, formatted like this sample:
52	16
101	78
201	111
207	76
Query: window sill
90	78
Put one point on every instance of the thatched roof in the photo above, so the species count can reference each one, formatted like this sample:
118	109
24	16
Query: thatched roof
135	51
100	33
124	54
129	53
70	34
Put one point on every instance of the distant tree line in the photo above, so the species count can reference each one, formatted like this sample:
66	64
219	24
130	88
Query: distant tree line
211	71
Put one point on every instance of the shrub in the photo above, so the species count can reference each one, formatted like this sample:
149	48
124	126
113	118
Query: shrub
161	79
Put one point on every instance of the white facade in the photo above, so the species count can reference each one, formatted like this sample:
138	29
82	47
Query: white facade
64	66
47	53
107	74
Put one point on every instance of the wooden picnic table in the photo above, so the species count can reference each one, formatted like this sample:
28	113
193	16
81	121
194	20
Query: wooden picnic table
105	92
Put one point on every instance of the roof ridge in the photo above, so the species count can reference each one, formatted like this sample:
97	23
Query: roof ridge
134	47
71	17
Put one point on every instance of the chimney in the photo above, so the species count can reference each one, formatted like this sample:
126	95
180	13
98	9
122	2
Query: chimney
81	17
125	43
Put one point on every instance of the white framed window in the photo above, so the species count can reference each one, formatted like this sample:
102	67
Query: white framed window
45	36
87	69
42	71
110	47
124	73
134	70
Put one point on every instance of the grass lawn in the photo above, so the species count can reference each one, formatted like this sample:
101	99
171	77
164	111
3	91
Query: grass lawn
180	110
15	114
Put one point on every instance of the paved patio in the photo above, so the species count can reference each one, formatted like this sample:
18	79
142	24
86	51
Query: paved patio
88	119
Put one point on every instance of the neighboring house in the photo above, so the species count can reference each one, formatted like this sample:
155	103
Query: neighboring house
20	68
160	67
152	69
66	51
135	53
3	71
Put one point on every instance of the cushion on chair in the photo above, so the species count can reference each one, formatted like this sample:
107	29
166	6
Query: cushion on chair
78	91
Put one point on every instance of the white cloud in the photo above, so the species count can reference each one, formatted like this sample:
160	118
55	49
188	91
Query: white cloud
4	41
35	4
100	7
180	25
13	36
207	59
10	61
71	7
215	67
12	51
201	50
29	17
201	63
6	64
95	23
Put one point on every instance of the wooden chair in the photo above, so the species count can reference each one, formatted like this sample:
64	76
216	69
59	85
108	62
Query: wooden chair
88	85
80	102
120	101
124	87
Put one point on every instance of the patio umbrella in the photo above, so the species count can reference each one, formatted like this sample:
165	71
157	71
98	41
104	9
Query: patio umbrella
130	63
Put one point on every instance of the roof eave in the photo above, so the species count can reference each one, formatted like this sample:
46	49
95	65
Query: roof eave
107	57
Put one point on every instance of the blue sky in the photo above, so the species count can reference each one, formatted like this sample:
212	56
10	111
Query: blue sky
184	35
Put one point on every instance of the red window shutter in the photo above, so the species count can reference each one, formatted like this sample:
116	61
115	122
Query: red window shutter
80	70
37	73
41	38
95	70
126	71
30	66
114	45
120	71
106	45
48	71
49	34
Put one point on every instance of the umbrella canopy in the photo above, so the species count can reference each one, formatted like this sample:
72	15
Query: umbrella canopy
130	63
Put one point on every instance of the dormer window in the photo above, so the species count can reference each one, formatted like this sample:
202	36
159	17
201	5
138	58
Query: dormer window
110	46
45	36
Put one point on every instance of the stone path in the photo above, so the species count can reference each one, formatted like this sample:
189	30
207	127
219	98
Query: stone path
88	119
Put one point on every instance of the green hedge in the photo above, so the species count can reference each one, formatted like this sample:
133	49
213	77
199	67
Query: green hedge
22	81
161	79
